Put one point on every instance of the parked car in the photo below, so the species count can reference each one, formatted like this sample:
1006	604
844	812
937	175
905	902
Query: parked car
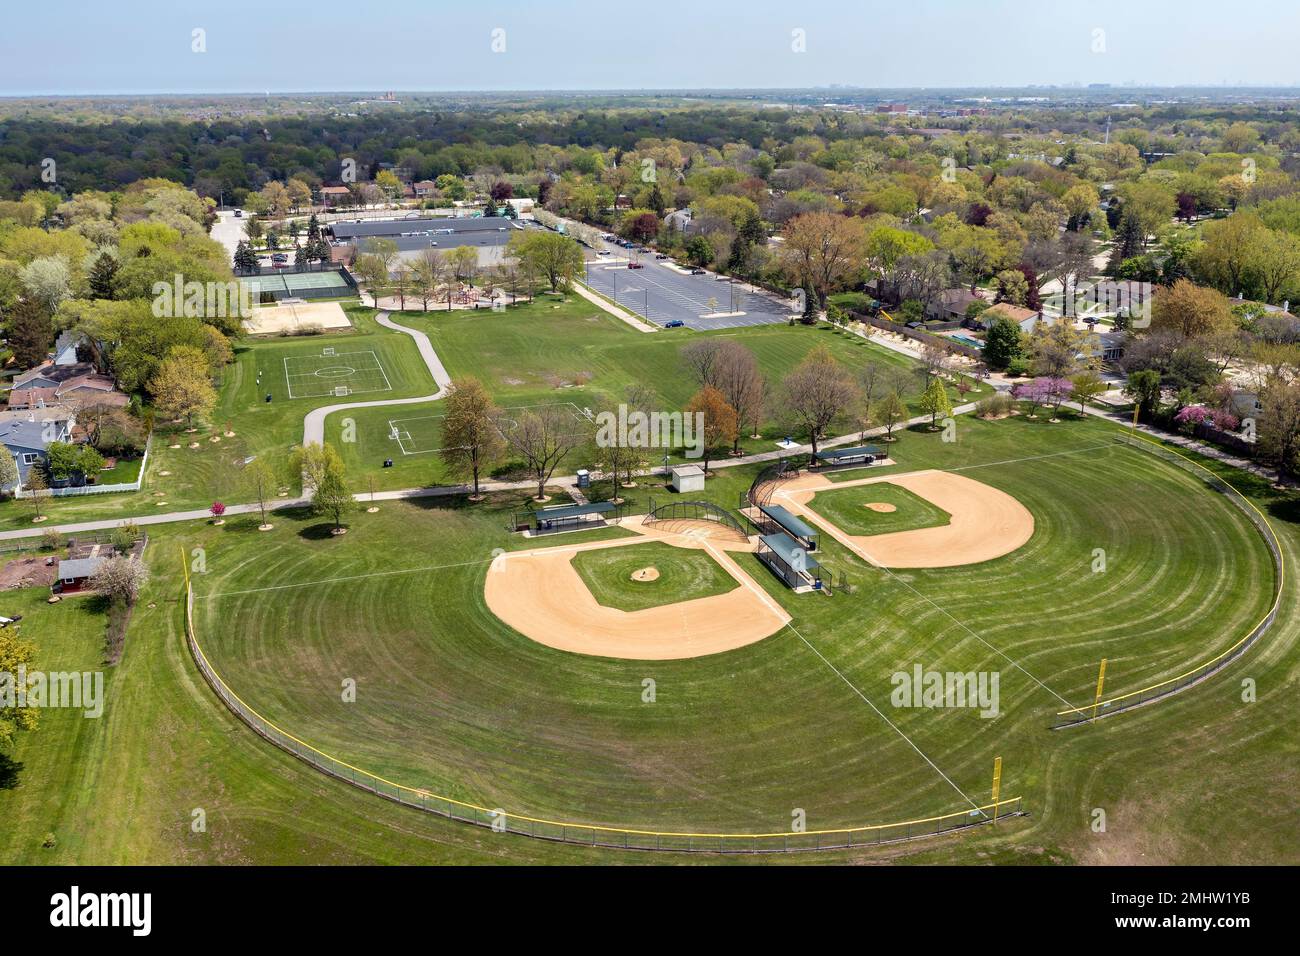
697	272
239	214
635	265
280	257
661	255
674	324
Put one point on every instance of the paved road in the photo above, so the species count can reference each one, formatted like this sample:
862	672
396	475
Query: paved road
228	231
313	426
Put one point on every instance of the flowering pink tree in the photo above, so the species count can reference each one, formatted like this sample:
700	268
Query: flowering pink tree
1035	392
1056	391
217	509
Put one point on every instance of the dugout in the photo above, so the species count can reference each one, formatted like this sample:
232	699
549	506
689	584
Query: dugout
779	519
849	457
788	560
573	517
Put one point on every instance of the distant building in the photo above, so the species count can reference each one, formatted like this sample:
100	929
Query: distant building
950	305
74	574
335	195
687	478
50	383
1027	319
425	188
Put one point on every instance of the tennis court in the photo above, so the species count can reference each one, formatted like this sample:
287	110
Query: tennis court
422	435
333	373
273	286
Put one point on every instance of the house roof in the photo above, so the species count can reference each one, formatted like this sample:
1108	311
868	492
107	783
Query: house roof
334	190
26	434
1015	313
78	568
48	371
957	299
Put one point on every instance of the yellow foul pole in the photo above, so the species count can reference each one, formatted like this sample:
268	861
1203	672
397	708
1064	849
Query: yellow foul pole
1101	682
997	785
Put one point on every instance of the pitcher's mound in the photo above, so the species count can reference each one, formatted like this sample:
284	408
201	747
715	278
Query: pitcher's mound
883	507
646	574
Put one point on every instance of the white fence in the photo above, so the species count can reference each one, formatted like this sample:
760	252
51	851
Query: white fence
21	492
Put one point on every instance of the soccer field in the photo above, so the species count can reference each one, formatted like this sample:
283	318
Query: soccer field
334	373
422	434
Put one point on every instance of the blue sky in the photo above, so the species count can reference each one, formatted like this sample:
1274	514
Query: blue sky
133	46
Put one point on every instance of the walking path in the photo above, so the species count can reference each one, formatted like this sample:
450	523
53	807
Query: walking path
567	482
613	310
313	426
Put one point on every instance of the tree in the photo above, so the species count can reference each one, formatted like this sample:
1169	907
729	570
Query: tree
16	656
1002	343
1085	387
38	491
1144	388
889	411
245	259
699	251
1191	310
47	280
331	497
737	376
260	481
471	434
1278	428
822	249
1055	350
934	401
542	439
120	579
103	275
428	275
182	386
817	393
31	333
717	418
548	254
8	469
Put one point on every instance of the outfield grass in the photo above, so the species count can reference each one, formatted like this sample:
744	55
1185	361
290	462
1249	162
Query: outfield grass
738	740
684	574
846	508
1200	778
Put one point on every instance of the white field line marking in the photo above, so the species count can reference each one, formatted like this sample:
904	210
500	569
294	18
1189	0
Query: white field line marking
879	714
1013	461
350	577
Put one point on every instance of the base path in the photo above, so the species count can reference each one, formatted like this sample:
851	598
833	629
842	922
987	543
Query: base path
313	426
541	595
986	522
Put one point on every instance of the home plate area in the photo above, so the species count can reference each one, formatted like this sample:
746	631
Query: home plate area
334	373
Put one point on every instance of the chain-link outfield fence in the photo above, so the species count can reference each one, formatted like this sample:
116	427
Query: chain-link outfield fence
1117	705
504	821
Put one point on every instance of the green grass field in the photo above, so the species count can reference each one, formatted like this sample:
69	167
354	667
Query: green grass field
683	575
728	745
743	738
547	353
846	508
195	477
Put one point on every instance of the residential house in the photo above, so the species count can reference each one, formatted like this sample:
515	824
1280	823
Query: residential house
425	189
50	383
335	196
1027	319
679	219
29	443
950	305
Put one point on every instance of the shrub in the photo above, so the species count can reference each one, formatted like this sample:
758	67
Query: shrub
997	405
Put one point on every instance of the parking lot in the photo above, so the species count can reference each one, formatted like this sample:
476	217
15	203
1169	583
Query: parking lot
662	293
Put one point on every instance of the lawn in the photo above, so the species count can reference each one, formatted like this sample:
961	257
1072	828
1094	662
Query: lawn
1202	778
734	741
572	353
185	477
683	574
848	509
